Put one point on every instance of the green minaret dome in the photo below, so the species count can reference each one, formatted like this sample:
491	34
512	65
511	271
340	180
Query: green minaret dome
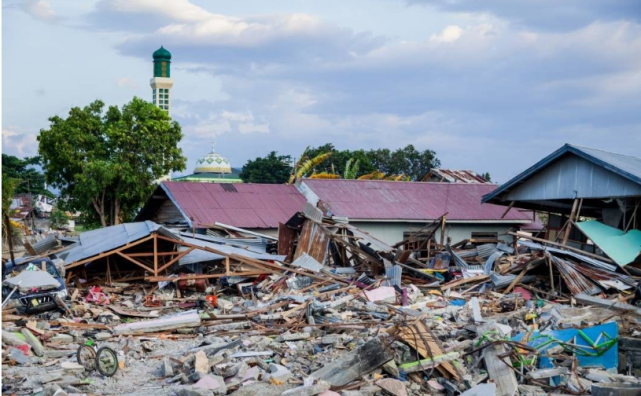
162	63
162	54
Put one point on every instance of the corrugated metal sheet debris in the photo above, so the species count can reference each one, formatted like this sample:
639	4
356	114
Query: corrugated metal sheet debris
307	262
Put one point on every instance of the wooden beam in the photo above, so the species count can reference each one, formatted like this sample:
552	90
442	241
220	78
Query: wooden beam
108	253
160	254
155	255
172	261
569	222
508	209
443	221
138	263
209	276
545	241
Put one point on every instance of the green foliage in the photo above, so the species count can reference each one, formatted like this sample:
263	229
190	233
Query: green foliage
28	178
9	186
272	169
404	161
351	169
486	176
105	163
58	219
309	166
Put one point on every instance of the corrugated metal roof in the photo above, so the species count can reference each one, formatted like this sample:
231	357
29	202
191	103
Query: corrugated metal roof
91	243
626	166
388	200
456	176
251	206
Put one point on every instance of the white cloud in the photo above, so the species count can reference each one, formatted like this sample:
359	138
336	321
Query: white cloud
18	143
126	82
40	9
181	10
450	34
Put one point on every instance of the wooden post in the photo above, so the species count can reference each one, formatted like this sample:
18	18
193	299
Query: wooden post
155	255
227	266
551	274
443	230
7	228
508	209
569	222
108	271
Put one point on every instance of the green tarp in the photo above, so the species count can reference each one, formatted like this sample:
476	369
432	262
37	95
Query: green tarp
621	247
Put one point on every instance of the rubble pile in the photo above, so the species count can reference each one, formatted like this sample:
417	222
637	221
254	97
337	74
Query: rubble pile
336	311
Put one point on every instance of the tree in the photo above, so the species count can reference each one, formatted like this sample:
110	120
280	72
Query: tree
28	178
59	219
486	176
106	163
272	169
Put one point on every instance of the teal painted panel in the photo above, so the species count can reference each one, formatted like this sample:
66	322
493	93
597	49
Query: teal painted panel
621	247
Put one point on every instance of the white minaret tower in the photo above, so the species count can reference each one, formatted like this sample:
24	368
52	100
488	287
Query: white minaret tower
162	82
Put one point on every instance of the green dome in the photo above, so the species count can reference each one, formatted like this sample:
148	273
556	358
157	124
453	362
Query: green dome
162	54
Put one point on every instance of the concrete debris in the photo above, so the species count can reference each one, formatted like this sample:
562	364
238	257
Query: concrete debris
337	312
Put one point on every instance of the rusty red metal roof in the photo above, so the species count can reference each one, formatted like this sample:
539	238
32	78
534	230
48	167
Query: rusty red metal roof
389	200
244	205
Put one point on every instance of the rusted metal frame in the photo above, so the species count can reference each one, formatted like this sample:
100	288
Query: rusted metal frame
173	260
108	253
138	263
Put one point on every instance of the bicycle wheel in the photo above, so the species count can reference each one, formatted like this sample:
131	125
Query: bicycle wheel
86	357
107	361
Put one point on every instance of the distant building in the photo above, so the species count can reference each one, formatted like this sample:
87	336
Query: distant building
454	176
212	168
161	83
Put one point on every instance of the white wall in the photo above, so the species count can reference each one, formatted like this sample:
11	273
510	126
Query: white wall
392	232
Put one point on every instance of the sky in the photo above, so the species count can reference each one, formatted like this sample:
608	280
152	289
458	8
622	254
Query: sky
490	86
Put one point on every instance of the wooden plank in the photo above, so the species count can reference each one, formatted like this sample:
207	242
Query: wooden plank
155	255
209	276
173	260
138	263
497	369
416	335
551	243
568	225
130	312
456	283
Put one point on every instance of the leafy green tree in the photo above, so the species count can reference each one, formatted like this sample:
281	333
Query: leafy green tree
29	179
486	176
58	219
272	169
105	163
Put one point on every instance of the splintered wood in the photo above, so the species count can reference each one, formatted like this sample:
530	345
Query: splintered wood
416	335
